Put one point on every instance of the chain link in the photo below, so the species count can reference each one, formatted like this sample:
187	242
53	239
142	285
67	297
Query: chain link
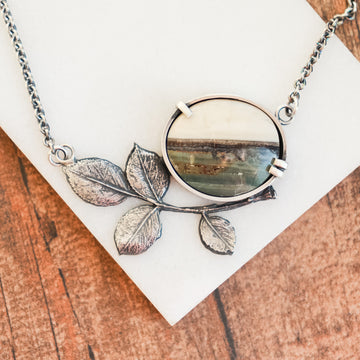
58	154
64	154
286	113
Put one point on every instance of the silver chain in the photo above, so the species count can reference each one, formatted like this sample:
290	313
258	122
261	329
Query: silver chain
64	154
58	154
286	113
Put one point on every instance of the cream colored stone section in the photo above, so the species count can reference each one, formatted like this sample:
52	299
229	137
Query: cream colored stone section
224	119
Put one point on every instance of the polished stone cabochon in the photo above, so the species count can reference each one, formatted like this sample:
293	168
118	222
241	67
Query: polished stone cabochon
224	148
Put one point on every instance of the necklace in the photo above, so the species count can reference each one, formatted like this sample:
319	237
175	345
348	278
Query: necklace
221	147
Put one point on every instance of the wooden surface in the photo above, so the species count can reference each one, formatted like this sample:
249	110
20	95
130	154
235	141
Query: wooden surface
63	297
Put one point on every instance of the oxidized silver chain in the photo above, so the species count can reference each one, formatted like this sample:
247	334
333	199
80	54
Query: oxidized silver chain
286	113
62	154
58	154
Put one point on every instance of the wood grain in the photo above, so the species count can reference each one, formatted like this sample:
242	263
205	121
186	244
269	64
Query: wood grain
63	297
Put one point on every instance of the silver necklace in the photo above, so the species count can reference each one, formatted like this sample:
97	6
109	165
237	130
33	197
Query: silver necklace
222	148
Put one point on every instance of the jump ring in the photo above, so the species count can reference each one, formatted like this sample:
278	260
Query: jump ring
61	155
289	113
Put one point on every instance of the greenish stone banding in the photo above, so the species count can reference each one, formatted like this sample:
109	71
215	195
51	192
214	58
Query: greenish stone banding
224	149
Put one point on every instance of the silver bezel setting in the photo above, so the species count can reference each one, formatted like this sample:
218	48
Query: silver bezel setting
243	196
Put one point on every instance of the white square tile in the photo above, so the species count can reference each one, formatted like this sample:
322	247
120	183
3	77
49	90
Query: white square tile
111	73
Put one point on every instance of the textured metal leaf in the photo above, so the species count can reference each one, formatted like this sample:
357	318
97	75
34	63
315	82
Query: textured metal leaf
217	234
97	181
137	230
147	173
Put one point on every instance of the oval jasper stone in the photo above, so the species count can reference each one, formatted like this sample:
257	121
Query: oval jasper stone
222	147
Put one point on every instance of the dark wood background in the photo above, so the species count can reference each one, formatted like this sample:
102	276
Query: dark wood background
63	297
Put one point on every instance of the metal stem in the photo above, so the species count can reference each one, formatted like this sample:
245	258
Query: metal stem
268	194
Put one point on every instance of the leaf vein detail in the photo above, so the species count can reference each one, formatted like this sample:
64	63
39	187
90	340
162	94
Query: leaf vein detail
217	233
143	222
100	182
146	174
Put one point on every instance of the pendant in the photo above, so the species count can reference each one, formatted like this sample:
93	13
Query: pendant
222	148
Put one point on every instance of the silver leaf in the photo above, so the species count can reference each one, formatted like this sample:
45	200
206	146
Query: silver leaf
137	230
147	173
217	234
97	181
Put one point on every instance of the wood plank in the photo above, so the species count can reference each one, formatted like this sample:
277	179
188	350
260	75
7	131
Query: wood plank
63	297
349	33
